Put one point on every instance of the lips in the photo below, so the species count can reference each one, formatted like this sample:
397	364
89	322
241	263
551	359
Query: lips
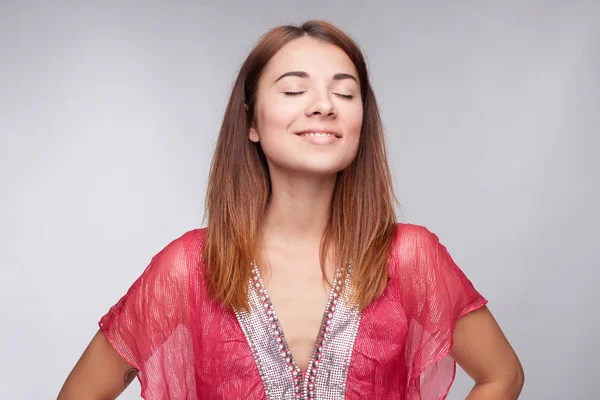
318	133
319	138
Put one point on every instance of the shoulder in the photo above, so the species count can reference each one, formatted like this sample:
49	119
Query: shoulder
187	247
414	252
174	263
411	239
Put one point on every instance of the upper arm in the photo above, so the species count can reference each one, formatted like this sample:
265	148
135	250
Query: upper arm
439	300
133	334
100	373
482	350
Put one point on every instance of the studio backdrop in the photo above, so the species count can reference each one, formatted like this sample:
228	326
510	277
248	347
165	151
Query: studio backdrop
109	114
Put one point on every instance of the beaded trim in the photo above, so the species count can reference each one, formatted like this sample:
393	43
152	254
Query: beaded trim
340	334
325	377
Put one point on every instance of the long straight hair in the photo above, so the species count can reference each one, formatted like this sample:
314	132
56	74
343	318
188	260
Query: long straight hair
362	218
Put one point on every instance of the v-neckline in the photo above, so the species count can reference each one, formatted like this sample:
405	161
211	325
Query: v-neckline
308	376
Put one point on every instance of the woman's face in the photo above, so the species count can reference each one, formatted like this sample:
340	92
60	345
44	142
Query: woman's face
309	111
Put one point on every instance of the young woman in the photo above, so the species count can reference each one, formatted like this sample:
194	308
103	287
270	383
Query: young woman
302	285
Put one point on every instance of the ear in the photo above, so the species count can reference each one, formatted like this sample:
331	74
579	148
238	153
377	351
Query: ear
253	134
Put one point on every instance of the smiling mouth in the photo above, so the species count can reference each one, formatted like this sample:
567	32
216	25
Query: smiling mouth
319	138
318	134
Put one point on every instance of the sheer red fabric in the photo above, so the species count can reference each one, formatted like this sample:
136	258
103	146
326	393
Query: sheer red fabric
188	346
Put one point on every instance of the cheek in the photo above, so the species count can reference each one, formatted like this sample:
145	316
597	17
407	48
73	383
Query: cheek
354	121
275	119
353	126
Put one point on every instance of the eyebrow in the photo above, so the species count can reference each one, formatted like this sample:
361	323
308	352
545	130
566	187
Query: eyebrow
302	74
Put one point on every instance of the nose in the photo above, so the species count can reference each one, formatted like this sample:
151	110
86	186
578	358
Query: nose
320	104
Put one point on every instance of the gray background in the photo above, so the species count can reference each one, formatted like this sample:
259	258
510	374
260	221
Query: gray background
109	114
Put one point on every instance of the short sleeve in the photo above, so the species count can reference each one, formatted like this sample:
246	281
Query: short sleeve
148	325
437	293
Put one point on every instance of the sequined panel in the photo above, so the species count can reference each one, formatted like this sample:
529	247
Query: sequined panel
327	370
257	328
335	359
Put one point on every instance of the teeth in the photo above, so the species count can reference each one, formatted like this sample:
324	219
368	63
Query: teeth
316	134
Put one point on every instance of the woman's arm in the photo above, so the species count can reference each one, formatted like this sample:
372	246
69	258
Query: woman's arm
100	374
482	350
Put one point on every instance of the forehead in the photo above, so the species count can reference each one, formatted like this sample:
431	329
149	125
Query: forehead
319	59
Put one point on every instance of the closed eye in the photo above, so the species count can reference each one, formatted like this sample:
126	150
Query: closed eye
345	96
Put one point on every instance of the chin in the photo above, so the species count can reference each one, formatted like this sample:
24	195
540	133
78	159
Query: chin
321	169
311	165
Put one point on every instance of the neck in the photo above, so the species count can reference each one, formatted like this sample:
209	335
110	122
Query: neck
299	207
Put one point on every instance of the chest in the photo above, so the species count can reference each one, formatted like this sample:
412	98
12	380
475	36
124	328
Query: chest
361	352
300	302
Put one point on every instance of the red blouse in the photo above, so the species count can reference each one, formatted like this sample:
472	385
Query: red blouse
190	347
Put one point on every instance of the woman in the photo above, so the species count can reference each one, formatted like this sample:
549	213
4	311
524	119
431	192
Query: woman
301	221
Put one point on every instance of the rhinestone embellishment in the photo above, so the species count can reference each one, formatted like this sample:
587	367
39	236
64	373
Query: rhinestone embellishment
325	376
303	383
